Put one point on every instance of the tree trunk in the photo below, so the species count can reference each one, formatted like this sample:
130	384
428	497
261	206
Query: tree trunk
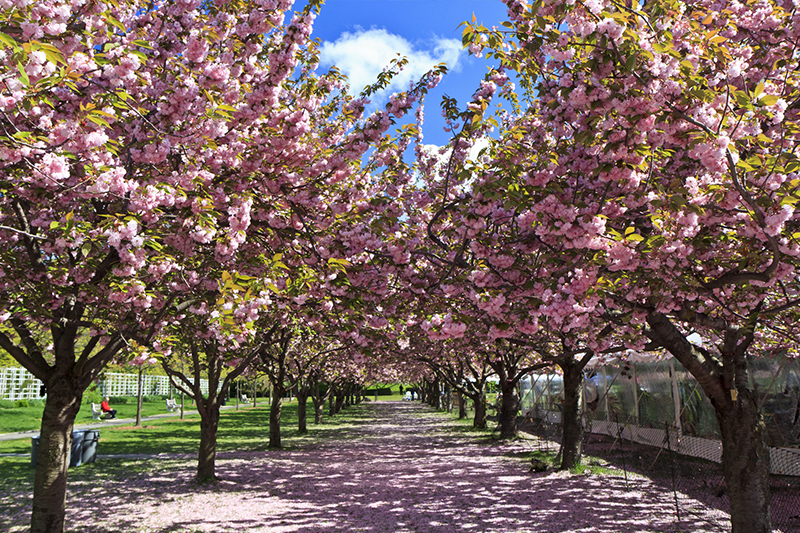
745	456
50	480
479	420
319	402
207	456
462	407
340	401
508	410
571	427
275	417
745	464
302	400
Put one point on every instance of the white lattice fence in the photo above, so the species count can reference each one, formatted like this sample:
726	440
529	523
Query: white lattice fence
115	384
19	384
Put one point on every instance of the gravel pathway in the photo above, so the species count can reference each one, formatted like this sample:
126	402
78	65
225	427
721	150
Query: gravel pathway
400	468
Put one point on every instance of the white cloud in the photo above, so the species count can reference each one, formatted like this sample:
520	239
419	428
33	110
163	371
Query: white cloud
472	155
363	54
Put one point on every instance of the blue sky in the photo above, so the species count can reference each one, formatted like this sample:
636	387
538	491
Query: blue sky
362	36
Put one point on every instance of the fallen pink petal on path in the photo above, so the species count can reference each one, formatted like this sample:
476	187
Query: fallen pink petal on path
402	468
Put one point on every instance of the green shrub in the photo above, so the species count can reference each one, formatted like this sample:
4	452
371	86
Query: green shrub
92	396
382	391
153	398
35	403
119	400
6	404
21	403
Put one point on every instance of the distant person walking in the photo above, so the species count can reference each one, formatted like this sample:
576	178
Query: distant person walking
107	408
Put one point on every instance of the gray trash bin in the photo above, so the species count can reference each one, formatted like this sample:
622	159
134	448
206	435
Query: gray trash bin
90	439
83	450
76	451
34	450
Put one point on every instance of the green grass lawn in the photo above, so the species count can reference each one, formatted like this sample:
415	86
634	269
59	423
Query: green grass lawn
242	430
21	419
245	429
30	418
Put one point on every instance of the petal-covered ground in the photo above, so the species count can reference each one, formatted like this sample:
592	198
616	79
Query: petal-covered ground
401	468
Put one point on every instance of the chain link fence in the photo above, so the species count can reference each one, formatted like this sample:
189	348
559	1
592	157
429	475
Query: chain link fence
687	467
652	418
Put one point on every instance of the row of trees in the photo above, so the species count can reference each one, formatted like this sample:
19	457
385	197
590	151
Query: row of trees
179	181
643	197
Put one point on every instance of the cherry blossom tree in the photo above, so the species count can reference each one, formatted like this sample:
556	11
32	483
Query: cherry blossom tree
215	340
141	141
273	361
305	370
112	132
467	370
659	143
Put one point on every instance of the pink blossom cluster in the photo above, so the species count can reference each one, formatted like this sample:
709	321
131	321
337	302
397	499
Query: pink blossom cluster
443	327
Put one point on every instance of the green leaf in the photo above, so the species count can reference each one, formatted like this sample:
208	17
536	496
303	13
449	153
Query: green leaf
23	76
741	98
7	41
769	99
52	53
114	22
140	55
100	121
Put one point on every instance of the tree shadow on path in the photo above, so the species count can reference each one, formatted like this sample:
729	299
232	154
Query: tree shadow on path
402	468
